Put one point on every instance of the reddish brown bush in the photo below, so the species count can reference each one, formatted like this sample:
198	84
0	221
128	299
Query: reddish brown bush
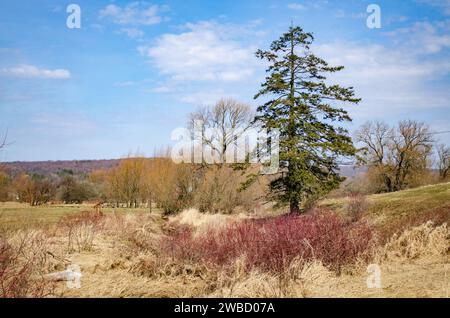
271	244
20	271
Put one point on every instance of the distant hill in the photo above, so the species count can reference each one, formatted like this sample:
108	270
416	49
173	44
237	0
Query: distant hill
86	166
51	167
351	171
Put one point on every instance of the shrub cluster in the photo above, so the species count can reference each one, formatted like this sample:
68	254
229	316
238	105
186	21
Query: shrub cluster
272	244
22	264
81	229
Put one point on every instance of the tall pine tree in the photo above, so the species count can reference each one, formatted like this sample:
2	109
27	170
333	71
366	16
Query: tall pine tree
303	108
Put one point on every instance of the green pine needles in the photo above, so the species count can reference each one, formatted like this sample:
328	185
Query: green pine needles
303	108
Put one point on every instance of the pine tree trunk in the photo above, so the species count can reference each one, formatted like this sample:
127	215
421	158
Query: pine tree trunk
294	208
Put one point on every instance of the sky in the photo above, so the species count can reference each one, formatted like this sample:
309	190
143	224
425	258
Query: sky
133	71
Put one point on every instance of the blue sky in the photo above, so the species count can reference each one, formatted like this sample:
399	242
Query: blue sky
134	70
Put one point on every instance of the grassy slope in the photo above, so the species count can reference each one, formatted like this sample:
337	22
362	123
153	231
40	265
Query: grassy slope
385	207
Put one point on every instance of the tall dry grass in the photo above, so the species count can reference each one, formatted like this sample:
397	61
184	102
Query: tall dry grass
423	241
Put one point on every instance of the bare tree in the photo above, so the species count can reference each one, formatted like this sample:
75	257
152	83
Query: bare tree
125	180
375	136
412	148
396	154
443	152
226	121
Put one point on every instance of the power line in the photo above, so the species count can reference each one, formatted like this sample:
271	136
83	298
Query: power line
439	132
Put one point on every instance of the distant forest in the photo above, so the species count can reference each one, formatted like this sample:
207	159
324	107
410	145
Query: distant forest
80	167
46	168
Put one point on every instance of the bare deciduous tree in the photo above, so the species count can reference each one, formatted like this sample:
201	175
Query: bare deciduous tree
375	136
396	154
226	121
443	152
126	179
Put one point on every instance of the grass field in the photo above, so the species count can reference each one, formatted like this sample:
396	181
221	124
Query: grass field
383	208
15	215
124	256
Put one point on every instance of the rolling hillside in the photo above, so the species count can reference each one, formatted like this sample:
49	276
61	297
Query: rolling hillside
388	206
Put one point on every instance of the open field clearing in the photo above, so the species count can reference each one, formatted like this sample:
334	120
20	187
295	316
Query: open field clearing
134	253
15	215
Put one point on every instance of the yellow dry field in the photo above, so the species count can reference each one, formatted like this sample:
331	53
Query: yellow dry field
120	259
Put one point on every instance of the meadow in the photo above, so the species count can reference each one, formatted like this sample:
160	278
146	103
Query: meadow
324	253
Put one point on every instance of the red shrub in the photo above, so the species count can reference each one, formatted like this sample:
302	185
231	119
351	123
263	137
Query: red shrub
18	275
271	244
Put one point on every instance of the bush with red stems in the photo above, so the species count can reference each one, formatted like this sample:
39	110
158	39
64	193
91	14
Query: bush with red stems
272	244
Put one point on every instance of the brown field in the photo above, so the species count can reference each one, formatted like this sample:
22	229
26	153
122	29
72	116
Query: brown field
120	254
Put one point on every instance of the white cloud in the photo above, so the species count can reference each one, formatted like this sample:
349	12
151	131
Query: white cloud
350	15
31	71
388	80
423	37
206	51
135	13
66	124
296	6
125	84
443	5
203	98
307	4
132	33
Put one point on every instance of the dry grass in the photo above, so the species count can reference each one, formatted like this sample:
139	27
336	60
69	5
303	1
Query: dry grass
424	241
125	260
386	208
24	260
203	222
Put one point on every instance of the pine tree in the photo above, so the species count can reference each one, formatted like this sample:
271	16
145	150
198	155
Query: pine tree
303	108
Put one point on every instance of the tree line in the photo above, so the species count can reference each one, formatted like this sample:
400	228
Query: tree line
297	101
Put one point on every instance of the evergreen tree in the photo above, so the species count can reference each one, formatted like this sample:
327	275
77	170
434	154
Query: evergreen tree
303	108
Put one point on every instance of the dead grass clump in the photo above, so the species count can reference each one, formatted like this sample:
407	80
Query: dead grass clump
425	240
300	279
203	222
160	267
438	216
140	233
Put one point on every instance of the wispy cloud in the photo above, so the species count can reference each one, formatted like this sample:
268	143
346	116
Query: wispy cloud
135	13
444	5
296	6
203	98
423	37
204	52
132	33
125	84
388	80
73	124
31	71
308	4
